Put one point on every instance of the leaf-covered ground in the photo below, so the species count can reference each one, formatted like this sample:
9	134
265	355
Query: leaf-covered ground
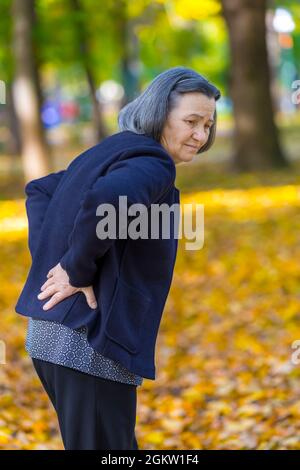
225	378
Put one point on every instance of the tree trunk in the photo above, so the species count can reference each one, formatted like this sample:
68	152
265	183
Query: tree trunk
99	125
14	142
129	50
257	144
27	92
129	63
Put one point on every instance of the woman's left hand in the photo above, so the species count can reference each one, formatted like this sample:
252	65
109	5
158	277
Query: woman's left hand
59	288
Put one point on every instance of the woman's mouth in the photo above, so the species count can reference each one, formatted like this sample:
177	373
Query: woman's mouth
191	146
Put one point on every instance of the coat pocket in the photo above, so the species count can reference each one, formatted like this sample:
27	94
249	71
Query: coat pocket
126	316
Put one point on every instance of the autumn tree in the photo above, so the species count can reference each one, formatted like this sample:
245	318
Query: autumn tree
81	34
27	91
257	144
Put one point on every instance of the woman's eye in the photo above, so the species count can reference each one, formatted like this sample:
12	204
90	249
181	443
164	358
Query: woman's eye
190	122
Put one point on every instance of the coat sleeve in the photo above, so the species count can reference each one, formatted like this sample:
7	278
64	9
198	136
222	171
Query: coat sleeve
39	193
142	179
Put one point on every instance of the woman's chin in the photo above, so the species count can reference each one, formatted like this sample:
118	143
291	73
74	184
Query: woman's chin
187	157
184	157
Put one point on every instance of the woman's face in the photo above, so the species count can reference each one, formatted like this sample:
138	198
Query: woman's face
188	125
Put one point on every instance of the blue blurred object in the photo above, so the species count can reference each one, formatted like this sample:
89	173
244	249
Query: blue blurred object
224	105
50	114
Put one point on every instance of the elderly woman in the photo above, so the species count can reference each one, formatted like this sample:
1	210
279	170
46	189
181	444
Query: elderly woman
95	302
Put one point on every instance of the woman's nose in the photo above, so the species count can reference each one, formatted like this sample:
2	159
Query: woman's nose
199	136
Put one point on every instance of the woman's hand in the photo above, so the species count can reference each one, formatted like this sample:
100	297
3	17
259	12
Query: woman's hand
58	287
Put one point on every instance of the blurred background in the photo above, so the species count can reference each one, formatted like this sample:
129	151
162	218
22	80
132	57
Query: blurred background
225	374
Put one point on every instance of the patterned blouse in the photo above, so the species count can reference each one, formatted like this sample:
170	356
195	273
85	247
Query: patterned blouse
57	343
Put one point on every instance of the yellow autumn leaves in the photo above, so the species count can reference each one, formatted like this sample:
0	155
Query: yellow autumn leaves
225	379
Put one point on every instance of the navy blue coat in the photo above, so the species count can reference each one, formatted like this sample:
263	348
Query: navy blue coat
131	278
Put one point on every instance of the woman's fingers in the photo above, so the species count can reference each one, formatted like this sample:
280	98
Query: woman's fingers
57	286
53	270
47	292
55	299
90	296
47	284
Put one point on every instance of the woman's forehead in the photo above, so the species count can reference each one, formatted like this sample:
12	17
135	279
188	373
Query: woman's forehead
198	105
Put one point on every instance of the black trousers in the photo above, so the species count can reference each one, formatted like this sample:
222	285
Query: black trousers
93	413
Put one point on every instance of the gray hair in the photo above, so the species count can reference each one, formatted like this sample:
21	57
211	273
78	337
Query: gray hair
148	113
